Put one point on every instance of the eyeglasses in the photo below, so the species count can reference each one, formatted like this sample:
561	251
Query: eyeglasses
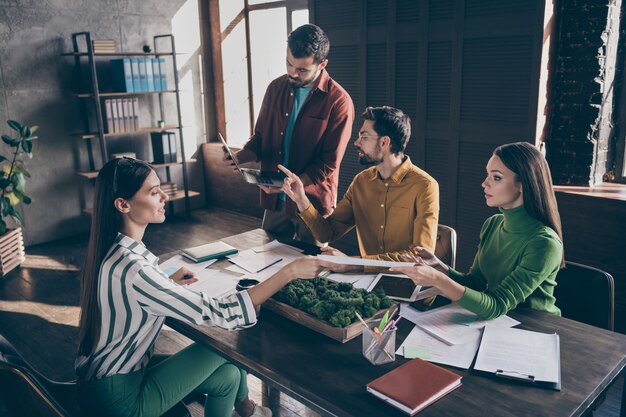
365	136
125	160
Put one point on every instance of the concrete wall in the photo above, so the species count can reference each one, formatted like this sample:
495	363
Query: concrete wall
35	81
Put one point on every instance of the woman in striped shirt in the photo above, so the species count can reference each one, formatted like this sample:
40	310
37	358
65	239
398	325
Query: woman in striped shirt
125	299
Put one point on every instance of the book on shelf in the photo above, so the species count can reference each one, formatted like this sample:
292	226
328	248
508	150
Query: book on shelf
143	76
208	251
413	386
163	147
149	74
103	46
169	188
134	65
121	75
121	114
118	155
162	74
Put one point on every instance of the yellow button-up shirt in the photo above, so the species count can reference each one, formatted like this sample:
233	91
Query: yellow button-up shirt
389	214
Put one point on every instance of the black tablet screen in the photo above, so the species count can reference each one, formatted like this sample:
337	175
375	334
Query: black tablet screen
396	286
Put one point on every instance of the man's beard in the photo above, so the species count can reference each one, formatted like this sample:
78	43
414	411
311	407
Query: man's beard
297	83
366	159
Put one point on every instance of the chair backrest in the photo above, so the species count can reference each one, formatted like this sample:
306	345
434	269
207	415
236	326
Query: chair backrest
23	392
445	248
585	294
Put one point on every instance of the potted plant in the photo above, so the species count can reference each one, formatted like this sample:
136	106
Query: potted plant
13	174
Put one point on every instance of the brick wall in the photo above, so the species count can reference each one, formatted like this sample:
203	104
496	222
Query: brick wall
586	40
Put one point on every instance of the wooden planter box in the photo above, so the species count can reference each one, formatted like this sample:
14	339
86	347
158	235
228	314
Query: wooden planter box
342	334
11	250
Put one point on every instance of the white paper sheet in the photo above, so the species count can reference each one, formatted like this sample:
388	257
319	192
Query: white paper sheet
214	282
430	349
346	260
519	353
178	261
452	324
351	278
254	262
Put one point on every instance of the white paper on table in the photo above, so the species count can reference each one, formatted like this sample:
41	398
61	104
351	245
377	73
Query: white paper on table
214	282
274	245
347	260
433	350
254	262
351	278
520	352
236	269
178	261
452	324
365	282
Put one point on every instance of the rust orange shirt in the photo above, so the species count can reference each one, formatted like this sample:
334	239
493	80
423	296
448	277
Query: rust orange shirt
320	136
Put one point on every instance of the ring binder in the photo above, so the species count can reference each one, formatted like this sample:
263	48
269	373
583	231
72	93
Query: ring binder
514	375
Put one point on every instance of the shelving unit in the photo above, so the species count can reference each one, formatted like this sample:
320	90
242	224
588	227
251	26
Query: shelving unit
83	48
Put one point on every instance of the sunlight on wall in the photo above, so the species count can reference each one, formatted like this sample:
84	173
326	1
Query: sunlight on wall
268	50
236	86
187	43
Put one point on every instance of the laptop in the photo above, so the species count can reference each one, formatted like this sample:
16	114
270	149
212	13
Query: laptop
254	176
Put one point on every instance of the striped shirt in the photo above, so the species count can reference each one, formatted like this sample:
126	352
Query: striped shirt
135	297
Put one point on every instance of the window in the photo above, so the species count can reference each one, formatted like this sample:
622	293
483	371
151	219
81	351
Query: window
253	55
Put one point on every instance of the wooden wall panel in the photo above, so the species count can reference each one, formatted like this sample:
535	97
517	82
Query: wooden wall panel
464	70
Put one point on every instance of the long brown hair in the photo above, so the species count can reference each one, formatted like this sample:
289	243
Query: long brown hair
118	178
531	169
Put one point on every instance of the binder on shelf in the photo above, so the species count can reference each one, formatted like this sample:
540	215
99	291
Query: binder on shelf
163	147
121	75
120	115
413	386
128	114
163	73
135	105
134	64
209	251
114	116
143	80
156	71
149	74
109	116
521	355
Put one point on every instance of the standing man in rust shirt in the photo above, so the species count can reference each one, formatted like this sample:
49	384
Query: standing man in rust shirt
305	123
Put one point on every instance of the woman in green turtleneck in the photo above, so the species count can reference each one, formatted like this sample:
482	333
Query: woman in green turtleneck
520	250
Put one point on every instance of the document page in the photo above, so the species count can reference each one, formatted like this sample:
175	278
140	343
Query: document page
214	283
452	324
519	353
347	260
254	262
178	261
419	344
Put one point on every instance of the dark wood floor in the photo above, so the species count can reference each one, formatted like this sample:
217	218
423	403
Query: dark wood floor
39	301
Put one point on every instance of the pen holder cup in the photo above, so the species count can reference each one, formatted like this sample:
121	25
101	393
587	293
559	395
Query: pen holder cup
379	348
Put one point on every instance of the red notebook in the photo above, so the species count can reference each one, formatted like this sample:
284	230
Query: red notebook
413	386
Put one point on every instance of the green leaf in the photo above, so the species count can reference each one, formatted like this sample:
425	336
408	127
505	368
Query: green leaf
6	206
14	125
3	227
4	182
32	138
26	199
10	141
2	159
24	131
18	181
18	217
27	146
33	129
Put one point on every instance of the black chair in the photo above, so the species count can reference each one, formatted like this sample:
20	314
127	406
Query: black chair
26	392
585	294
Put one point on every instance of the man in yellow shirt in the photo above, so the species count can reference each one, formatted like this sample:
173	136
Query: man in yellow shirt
393	204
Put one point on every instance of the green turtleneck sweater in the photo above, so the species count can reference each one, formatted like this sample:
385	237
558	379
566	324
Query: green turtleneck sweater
516	265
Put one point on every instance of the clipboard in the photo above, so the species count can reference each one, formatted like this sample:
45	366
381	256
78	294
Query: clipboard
520	355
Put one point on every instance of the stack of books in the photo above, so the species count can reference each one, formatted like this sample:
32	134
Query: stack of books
163	147
103	46
122	114
169	188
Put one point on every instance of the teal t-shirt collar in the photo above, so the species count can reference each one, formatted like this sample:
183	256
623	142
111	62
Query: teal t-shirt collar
518	220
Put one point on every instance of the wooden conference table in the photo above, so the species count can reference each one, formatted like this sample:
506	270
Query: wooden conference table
330	377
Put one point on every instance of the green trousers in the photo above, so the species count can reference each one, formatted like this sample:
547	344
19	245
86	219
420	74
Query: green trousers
166	381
